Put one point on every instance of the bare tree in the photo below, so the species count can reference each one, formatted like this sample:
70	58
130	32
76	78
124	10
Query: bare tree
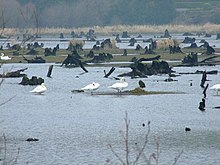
139	149
29	15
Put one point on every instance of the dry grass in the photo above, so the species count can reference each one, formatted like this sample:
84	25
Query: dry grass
74	42
164	44
208	28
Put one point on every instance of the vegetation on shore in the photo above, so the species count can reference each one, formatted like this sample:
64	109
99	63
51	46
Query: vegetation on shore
110	30
117	55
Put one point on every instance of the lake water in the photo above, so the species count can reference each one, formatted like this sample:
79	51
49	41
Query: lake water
50	41
76	128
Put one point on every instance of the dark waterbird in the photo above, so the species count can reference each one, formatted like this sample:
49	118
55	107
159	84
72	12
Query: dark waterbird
141	84
187	129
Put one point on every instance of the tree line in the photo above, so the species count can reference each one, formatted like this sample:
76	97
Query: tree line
84	13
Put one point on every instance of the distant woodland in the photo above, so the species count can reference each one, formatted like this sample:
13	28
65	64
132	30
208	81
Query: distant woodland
85	13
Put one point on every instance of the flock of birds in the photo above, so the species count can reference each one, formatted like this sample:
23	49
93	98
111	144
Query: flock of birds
40	89
119	86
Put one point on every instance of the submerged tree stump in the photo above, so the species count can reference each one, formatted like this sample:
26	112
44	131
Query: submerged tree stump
50	71
143	70
33	81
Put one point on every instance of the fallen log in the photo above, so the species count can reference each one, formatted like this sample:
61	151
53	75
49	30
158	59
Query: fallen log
14	74
201	72
35	60
209	58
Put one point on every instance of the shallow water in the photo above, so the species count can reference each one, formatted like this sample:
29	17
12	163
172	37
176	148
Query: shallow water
76	128
50	41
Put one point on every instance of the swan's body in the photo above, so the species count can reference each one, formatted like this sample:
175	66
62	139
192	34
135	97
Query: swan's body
119	86
39	89
5	58
91	87
216	87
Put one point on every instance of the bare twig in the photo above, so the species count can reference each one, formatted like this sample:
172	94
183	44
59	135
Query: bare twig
141	150
177	157
127	122
1	104
116	155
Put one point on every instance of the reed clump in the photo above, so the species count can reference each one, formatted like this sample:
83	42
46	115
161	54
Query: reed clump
165	43
75	42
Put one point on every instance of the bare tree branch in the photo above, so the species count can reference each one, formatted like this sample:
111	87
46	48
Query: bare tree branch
177	157
117	156
1	104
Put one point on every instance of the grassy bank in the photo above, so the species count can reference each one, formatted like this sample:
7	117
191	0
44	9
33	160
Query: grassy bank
117	55
107	30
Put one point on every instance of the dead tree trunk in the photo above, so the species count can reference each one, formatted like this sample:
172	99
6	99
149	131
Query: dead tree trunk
50	71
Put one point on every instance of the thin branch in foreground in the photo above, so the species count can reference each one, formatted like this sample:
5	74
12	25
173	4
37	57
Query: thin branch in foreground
7	100
116	155
141	150
177	157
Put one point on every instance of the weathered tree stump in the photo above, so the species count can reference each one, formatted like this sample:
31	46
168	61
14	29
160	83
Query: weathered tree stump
33	81
189	40
191	59
202	105
166	34
50	71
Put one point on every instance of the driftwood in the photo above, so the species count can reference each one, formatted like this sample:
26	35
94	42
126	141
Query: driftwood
209	58
35	60
201	72
14	74
109	73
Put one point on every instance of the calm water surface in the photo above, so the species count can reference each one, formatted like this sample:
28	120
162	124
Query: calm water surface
50	41
76	128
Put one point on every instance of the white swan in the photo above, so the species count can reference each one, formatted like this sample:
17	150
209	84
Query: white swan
119	86
39	89
91	87
216	87
5	58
